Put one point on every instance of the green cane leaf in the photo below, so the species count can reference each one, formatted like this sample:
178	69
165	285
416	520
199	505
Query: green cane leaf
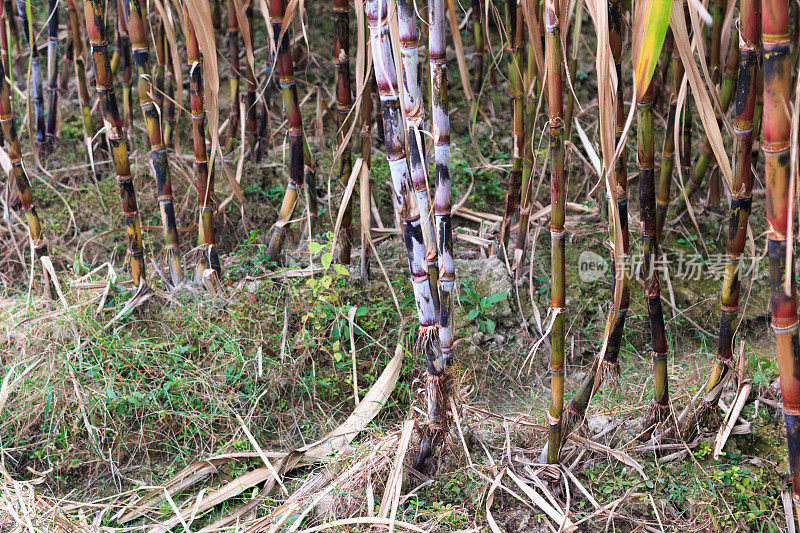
652	21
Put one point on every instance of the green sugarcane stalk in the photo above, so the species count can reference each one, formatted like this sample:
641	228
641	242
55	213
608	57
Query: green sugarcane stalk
414	114
515	49
429	341
552	45
126	65
706	160
22	184
205	179
160	70
341	62
136	21
527	165
604	365
477	57
659	409
776	127
170	118
233	59
76	38
94	11
668	148
285	63
52	70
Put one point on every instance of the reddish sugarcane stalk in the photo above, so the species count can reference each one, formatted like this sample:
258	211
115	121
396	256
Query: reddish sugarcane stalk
558	195
52	69
341	62
516	47
414	112
76	38
22	184
94	11
277	9
659	410
386	77
233	59
205	179
780	205
364	186
136	21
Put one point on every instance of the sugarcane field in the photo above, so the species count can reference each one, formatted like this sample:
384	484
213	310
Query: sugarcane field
399	265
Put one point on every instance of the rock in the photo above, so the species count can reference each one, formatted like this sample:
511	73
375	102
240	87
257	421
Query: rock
596	424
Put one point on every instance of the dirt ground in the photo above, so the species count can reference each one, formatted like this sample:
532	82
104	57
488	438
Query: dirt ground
104	410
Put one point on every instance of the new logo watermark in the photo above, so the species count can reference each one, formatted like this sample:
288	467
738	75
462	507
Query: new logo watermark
592	266
690	266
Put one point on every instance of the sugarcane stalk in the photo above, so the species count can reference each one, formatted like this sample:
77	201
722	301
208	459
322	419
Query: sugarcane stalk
170	120
527	165
94	11
160	68
22	184
341	63
216	15
136	22
552	46
706	160
364	184
515	50
52	70
126	65
251	111
605	364
659	409
233	80
428	337
748	51
776	126
668	148
442	203
378	111
477	57
36	73
205	179
264	121
76	38
414	114
310	180
572	65
285	63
